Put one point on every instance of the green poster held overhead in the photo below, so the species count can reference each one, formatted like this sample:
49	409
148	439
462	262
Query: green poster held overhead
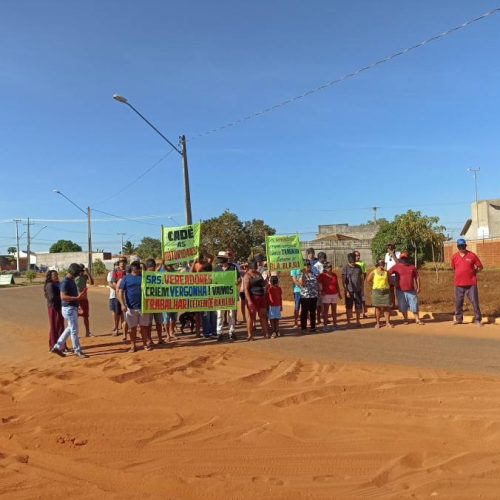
283	253
181	292
181	244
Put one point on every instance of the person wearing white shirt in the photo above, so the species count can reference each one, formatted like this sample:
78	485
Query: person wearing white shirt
391	259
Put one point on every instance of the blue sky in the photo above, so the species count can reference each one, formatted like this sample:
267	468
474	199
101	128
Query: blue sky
399	136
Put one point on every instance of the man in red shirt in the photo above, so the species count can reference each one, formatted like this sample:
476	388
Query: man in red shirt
466	266
407	287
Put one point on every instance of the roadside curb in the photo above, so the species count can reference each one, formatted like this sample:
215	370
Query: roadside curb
424	315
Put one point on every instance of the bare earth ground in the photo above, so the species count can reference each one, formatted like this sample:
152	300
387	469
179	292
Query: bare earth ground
411	412
438	296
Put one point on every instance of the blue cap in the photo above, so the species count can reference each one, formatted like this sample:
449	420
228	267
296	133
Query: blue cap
461	241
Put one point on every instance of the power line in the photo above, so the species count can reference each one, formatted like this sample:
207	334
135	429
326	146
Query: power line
348	76
139	177
131	219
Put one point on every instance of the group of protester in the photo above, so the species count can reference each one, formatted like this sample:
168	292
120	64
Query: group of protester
316	290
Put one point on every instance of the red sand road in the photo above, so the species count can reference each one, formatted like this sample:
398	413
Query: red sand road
411	412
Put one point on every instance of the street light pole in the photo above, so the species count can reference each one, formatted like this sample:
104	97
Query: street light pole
182	151
89	226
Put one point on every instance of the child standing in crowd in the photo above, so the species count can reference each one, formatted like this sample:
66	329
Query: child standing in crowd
352	279
275	298
330	294
381	295
295	274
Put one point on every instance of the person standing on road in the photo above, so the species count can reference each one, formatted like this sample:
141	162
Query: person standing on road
381	293
156	318
243	300
256	298
275	297
114	305
69	302
330	294
129	294
84	307
466	265
309	292
295	274
362	265
317	269
53	296
391	259
407	287
223	265
352	279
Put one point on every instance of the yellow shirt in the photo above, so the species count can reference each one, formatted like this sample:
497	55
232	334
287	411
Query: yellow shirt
380	280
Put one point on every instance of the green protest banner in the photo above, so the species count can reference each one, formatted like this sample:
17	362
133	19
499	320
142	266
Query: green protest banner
181	244
283	253
181	292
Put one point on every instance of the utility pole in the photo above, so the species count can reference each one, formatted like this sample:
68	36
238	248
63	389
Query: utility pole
375	214
29	246
122	235
187	191
475	171
182	151
17	244
89	229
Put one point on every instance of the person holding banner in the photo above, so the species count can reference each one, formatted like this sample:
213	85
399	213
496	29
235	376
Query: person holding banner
130	299
255	294
223	265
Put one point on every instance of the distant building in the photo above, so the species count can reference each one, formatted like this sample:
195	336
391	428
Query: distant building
337	240
482	232
62	260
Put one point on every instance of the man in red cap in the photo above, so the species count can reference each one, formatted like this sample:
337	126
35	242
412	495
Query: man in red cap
407	287
466	266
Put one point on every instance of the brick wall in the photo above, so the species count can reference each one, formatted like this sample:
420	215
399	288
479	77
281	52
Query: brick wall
488	251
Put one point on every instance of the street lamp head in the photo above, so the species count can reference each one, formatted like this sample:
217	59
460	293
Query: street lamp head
56	191
120	98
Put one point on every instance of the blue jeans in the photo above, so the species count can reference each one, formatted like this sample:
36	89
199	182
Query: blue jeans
471	293
70	314
209	323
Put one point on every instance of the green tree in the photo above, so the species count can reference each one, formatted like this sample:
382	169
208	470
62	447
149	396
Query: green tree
148	248
99	268
385	234
413	232
30	275
128	248
12	250
65	246
228	231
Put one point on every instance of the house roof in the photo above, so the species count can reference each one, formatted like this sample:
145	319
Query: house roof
336	237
